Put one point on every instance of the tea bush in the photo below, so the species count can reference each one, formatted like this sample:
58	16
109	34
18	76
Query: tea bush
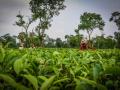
59	69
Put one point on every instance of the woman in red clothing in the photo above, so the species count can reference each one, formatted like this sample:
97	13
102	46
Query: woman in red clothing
83	44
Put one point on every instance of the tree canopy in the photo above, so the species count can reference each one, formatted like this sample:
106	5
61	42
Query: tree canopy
90	21
44	10
115	17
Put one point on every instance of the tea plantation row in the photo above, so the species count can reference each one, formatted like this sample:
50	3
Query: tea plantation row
59	69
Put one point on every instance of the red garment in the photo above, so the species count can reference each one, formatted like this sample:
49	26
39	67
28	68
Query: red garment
83	46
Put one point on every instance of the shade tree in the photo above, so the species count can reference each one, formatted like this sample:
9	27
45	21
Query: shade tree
89	22
43	11
21	22
115	17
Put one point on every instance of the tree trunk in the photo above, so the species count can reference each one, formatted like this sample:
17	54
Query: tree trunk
41	41
89	44
89	39
42	38
39	35
26	39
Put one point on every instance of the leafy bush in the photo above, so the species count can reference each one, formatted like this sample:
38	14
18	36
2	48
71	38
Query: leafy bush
59	69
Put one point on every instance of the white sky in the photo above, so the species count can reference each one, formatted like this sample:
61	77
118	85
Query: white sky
66	22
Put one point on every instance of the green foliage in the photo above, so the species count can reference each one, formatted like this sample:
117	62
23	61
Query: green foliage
61	80
47	83
89	22
43	11
2	55
79	85
19	65
25	25
46	9
10	81
7	58
8	41
102	42
59	69
32	80
89	82
43	78
117	37
115	17
59	42
73	41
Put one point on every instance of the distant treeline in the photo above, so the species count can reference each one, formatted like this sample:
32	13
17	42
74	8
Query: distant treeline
71	41
43	12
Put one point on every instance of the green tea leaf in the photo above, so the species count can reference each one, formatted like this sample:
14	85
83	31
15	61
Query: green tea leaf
12	82
32	80
19	65
2	54
8	79
61	80
79	86
42	77
47	83
93	83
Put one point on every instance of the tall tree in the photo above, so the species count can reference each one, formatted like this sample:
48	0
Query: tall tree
32	37
115	17
110	42
67	40
89	22
44	10
117	37
59	43
21	37
80	36
25	25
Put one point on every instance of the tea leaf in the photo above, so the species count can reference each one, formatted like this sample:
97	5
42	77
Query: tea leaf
19	65
47	83
32	80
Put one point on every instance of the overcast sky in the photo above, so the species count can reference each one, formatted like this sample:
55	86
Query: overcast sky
63	24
